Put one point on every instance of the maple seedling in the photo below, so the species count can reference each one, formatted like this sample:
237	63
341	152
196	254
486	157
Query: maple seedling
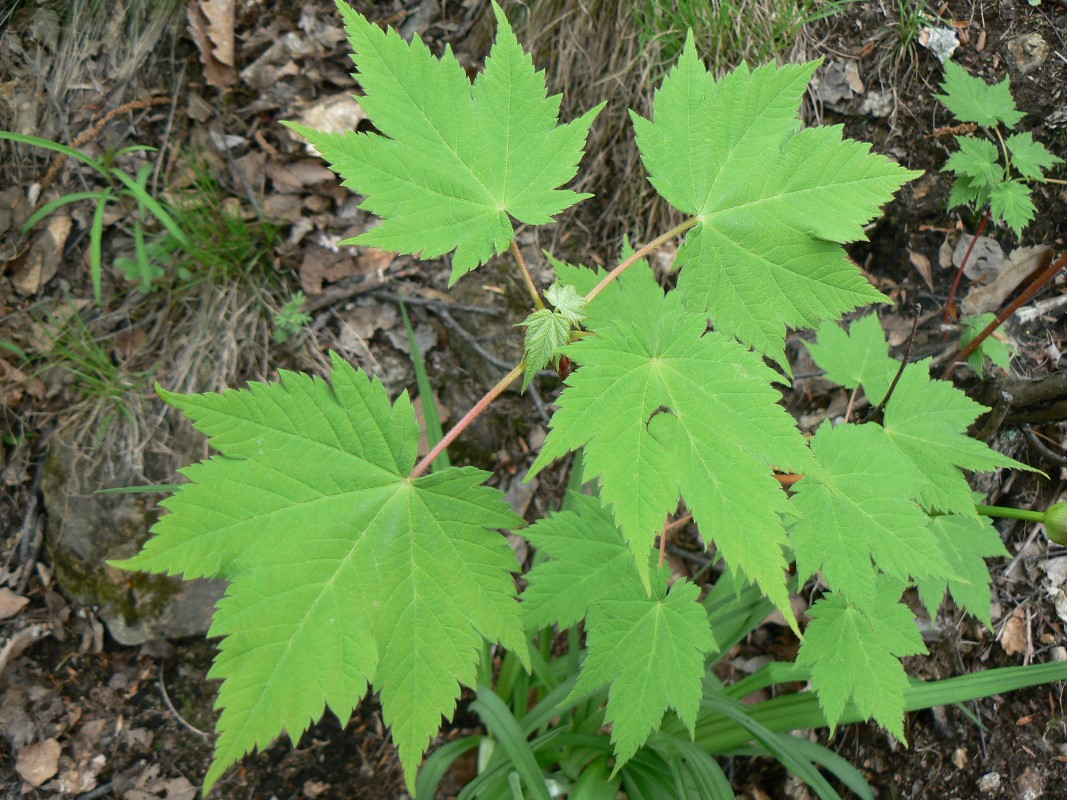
352	570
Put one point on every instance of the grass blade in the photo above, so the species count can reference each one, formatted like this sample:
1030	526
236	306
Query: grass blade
505	729
154	208
434	432
96	237
59	202
55	147
439	762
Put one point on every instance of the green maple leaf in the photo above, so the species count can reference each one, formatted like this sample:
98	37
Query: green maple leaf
588	562
856	518
650	651
996	350
1010	203
965	190
774	204
661	407
971	99
927	420
452	162
978	159
855	655
859	357
1030	158
343	571
966	542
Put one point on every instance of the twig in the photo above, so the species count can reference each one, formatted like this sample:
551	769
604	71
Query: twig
415	300
100	791
469	338
351	288
174	711
1036	286
20	640
1043	448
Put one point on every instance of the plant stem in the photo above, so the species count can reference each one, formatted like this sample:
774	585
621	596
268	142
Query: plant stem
950	306
644	251
1011	513
531	287
1035	287
468	418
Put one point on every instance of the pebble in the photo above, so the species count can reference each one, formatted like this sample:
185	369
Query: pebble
989	782
1027	52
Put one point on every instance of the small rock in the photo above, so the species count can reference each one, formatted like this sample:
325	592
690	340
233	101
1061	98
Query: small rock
942	42
989	782
877	104
959	757
1027	53
1059	653
37	763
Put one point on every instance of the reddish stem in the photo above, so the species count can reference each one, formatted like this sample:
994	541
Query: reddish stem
468	418
1036	286
644	251
950	308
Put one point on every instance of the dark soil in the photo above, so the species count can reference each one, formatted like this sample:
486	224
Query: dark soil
136	722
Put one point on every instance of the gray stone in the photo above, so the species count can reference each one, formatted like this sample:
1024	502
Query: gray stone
86	530
1027	52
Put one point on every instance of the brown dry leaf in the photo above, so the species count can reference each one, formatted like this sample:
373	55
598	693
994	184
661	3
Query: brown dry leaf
37	266
11	603
1013	637
211	25
12	384
39	762
127	342
1023	263
373	260
294	176
337	113
321	265
368	320
922	266
283	207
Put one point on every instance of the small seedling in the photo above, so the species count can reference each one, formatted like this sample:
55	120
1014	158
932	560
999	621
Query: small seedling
291	318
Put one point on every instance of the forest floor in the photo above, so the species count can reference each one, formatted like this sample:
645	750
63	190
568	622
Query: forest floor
88	710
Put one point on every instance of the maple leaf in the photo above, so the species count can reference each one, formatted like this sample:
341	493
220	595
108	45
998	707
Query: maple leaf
927	420
662	407
966	542
971	99
996	350
773	203
650	652
855	514
452	162
1030	158
978	159
588	562
858	357
855	655
343	571
1010	203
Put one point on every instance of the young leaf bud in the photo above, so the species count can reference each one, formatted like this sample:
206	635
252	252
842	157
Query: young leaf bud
1056	523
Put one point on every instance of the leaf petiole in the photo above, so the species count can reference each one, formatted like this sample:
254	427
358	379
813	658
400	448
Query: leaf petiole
638	255
468	418
1026	514
531	287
